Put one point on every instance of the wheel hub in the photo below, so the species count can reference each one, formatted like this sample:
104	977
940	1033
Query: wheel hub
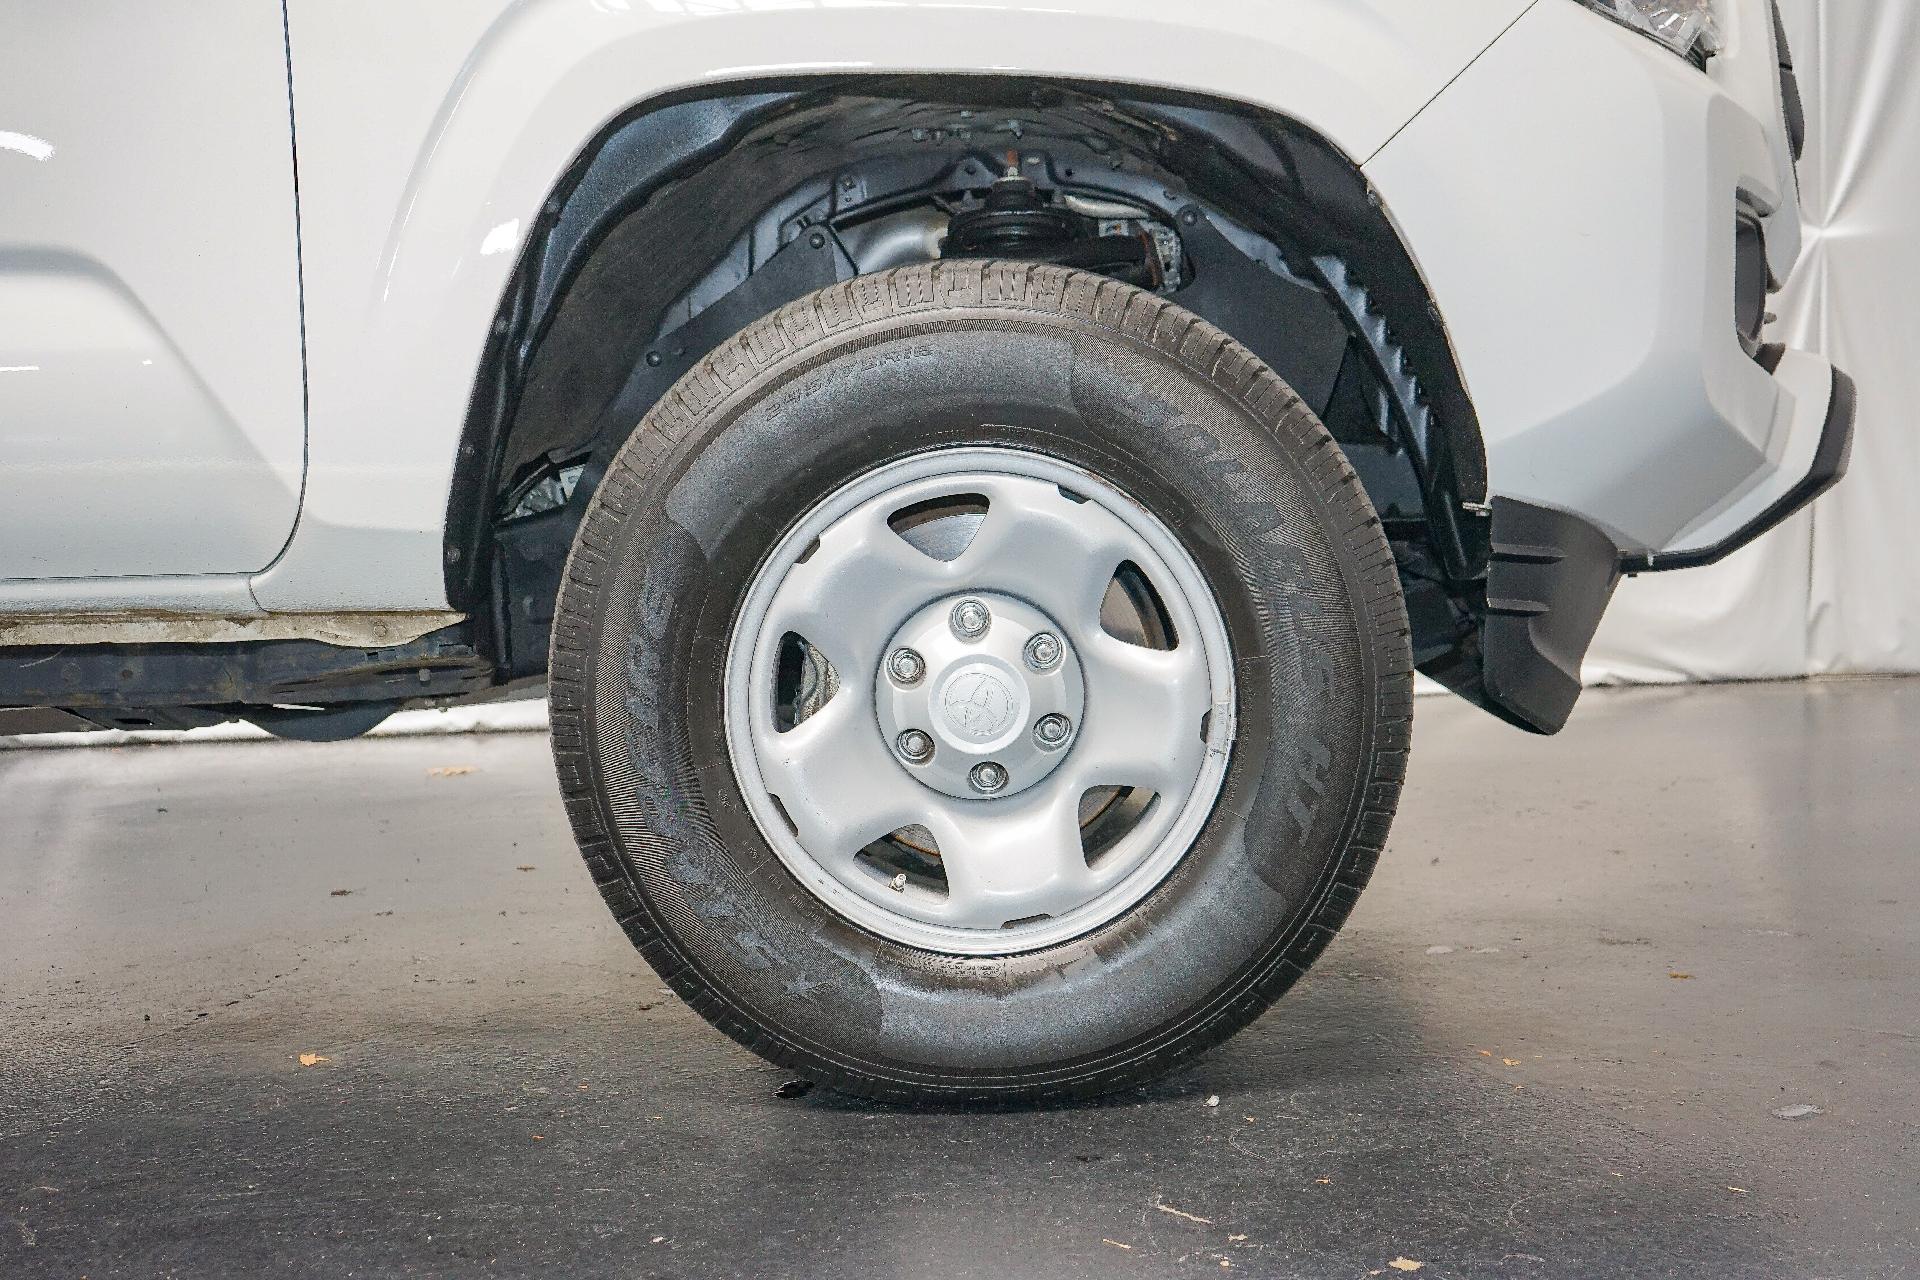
992	683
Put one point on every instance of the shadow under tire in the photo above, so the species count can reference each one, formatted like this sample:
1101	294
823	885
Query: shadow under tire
973	356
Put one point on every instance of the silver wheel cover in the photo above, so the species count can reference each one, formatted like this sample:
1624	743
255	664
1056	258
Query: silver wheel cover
1042	560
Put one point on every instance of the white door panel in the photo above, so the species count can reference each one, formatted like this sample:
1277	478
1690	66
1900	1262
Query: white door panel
151	417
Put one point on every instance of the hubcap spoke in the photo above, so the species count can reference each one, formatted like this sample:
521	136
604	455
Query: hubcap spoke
1037	543
861	574
1011	862
1145	709
836	782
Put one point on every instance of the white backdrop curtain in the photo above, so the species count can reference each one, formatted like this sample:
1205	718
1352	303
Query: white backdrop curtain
1835	590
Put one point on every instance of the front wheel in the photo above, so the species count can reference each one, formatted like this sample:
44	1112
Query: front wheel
980	680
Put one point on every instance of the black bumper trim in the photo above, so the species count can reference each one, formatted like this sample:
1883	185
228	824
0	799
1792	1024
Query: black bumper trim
1829	464
1550	575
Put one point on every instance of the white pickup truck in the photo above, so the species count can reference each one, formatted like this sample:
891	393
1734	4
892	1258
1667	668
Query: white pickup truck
977	480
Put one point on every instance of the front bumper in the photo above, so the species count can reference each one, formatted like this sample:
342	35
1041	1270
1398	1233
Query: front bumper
1599	223
1550	576
1791	486
1576	202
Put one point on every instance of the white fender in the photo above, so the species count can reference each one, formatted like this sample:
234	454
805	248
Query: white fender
1582	252
428	135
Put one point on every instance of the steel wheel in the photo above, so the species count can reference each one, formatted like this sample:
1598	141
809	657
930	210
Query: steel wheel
1010	711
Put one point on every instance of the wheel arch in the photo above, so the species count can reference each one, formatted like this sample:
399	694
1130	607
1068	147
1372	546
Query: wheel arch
1245	164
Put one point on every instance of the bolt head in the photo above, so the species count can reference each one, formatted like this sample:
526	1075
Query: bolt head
970	619
988	778
1051	731
1044	651
914	746
906	666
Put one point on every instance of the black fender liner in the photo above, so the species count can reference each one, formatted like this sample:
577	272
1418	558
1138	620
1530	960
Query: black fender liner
1267	173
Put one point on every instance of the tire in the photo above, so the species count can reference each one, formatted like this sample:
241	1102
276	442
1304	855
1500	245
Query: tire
1045	363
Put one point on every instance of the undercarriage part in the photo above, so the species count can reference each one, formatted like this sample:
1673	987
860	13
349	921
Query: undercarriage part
319	724
142	719
651	255
295	688
17	721
1013	221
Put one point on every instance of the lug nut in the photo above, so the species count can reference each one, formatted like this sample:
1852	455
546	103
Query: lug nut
987	778
1051	731
906	666
915	747
1044	651
970	619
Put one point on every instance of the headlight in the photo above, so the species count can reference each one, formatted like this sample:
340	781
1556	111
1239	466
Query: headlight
1684	26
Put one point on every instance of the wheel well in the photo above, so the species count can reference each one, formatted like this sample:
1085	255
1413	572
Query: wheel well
691	217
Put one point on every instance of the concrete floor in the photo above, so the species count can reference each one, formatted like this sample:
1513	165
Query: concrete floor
1551	1042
